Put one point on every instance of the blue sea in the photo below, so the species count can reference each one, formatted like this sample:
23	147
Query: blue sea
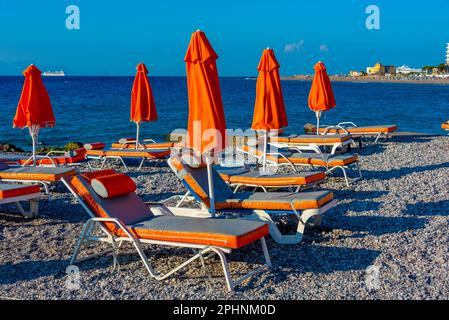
89	109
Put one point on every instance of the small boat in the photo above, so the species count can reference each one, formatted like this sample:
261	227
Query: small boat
54	74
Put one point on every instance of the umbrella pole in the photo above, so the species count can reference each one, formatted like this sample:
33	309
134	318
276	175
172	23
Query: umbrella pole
265	143
210	181
137	134
33	138
318	115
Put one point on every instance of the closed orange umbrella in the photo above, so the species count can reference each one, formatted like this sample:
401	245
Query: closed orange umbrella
321	96
269	108
143	108
34	109
206	124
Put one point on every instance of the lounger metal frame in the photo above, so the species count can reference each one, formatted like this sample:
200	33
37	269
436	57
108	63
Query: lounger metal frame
291	165
117	241
257	215
48	156
104	159
33	200
342	126
316	146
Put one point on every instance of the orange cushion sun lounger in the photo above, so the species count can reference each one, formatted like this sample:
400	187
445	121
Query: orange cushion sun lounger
257	206
148	146
135	214
8	191
255	178
196	180
44	174
361	130
16	193
445	126
313	139
125	217
153	154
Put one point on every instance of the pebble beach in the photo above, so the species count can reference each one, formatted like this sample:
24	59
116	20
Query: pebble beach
386	239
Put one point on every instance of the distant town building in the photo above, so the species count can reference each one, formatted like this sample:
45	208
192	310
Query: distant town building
390	69
377	70
380	70
407	70
447	54
355	74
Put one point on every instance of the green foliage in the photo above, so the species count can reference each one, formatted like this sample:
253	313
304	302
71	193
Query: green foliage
68	147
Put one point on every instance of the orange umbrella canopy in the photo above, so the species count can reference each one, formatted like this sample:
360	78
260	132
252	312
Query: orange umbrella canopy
34	108
206	124
321	96
269	108
143	108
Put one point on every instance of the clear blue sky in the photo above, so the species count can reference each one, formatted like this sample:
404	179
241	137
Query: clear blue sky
116	35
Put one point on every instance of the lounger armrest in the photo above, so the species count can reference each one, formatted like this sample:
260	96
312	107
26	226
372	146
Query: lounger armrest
119	223
284	157
149	140
337	127
140	146
341	124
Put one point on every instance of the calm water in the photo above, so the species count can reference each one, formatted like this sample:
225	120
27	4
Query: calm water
97	108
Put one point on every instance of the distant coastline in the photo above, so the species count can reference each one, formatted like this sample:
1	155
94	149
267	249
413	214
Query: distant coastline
371	80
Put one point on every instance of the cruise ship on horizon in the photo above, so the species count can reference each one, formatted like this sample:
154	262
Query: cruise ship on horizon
54	74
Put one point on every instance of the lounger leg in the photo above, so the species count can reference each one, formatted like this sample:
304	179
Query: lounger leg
33	210
141	164
378	137
184	197
231	284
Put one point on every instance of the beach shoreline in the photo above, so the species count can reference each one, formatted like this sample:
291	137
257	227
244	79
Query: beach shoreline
370	80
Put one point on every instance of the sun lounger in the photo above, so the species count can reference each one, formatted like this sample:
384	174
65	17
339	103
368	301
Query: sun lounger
45	176
147	144
16	193
314	142
377	131
445	126
259	206
243	177
104	155
58	158
315	160
122	216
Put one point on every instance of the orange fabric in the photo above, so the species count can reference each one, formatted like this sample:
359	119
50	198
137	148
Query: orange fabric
445	126
94	146
20	191
89	176
46	177
269	108
220	240
34	108
161	145
321	96
327	139
353	130
130	154
143	108
211	239
275	205
56	160
321	162
277	181
114	185
206	124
